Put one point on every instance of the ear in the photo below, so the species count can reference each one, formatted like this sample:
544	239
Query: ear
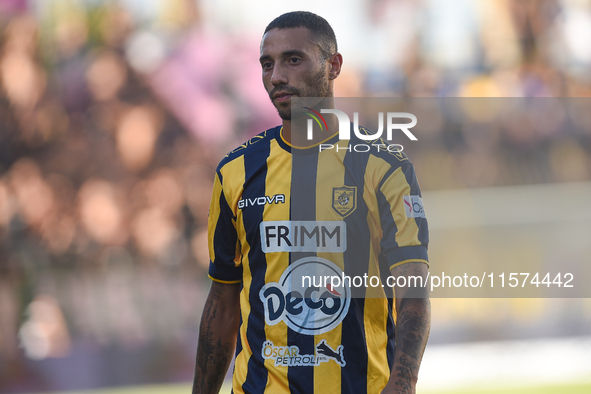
335	62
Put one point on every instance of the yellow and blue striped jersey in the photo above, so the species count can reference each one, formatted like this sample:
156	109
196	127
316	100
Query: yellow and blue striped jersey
278	216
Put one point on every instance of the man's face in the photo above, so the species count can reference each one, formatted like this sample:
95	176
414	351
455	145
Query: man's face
293	65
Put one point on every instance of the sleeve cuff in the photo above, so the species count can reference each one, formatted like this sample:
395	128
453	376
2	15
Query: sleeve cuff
407	254
225	274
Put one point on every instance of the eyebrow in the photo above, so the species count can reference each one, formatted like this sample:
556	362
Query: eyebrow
284	54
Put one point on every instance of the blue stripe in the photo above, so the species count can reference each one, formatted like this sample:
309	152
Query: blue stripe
303	207
225	240
225	273
255	169
354	373
389	227
386	176
219	174
390	331
411	178
356	260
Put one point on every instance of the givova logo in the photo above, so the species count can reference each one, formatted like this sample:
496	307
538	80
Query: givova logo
310	310
263	200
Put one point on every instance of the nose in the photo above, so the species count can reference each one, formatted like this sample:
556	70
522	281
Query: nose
279	76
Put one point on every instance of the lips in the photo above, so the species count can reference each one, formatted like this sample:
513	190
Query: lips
282	96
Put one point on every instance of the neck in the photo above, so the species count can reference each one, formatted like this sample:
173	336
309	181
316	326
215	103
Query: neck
286	130
299	139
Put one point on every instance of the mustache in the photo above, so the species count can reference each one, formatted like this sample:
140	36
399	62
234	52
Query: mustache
283	89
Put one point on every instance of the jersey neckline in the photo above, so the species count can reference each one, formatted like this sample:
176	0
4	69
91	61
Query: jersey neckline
300	150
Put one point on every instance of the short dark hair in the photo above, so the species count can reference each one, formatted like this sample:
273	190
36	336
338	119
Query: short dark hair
318	26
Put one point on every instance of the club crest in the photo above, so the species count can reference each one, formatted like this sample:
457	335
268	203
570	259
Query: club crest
344	200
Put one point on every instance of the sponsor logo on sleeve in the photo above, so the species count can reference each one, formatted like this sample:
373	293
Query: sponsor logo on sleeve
413	206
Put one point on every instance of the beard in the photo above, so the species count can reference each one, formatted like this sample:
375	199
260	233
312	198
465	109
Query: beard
317	85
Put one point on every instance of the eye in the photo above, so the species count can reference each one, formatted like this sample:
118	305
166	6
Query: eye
294	60
267	65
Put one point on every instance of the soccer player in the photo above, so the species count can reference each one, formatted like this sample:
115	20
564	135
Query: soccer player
361	213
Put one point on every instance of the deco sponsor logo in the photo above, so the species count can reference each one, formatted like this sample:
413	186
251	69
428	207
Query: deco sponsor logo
303	236
413	207
309	310
289	356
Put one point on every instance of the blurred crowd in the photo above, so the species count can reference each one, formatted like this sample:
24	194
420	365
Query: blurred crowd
111	126
504	48
103	199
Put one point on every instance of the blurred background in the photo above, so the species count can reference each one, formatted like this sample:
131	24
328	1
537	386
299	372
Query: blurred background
114	115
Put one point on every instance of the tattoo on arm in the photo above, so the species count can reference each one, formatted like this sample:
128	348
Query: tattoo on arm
413	326
214	353
412	331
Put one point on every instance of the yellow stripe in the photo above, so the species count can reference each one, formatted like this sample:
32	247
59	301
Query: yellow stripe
376	305
331	174
374	172
375	320
233	174
214	215
241	362
394	188
224	281
233	192
277	182
375	317
409	261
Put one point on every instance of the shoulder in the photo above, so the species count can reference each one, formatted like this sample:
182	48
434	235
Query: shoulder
258	142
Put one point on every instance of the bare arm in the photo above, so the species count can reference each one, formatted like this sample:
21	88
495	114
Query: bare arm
412	330
217	337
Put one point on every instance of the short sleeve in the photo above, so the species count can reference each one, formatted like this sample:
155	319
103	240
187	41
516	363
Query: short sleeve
405	235
224	248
